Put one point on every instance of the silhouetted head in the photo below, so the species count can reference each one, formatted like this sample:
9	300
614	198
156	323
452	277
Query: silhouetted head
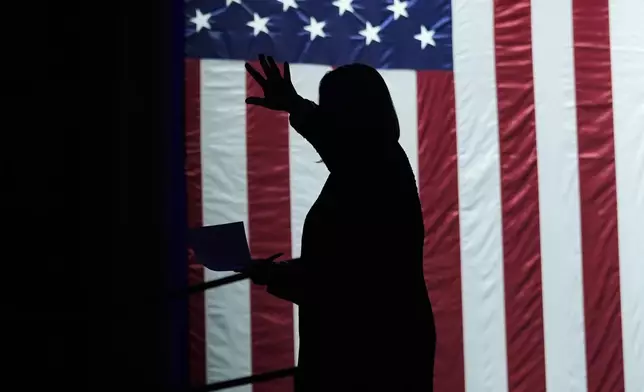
357	98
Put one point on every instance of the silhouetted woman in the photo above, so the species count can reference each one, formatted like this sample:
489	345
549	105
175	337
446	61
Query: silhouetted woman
365	319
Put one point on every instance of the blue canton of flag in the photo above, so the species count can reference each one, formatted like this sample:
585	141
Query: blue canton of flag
415	34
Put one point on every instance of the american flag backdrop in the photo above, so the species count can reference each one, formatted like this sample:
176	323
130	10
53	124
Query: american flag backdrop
524	122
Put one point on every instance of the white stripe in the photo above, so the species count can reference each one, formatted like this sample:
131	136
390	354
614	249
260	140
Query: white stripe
559	205
225	200
479	197
307	176
402	87
627	58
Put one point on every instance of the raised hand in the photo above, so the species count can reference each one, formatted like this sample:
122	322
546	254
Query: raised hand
279	93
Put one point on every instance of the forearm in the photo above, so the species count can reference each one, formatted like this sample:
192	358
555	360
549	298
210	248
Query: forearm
317	127
300	113
287	280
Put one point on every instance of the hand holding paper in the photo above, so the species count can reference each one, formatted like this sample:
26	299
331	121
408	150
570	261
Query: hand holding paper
260	270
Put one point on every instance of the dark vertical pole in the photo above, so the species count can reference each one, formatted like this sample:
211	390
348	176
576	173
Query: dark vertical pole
176	339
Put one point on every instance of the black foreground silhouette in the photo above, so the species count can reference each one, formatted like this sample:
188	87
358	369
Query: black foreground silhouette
365	319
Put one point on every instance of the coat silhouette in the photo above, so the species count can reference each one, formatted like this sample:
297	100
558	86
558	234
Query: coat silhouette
365	320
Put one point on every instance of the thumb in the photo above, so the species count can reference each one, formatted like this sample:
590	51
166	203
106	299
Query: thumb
256	101
275	256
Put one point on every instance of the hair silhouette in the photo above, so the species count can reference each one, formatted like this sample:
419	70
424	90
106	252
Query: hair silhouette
357	96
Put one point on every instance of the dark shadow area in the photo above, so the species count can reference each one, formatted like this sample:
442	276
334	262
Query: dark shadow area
86	135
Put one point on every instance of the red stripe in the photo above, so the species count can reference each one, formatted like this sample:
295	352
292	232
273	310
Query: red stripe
604	359
197	322
269	209
520	196
438	187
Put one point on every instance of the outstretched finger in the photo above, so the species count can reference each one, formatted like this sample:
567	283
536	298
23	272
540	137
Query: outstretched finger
255	75
287	72
274	69
265	66
256	101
